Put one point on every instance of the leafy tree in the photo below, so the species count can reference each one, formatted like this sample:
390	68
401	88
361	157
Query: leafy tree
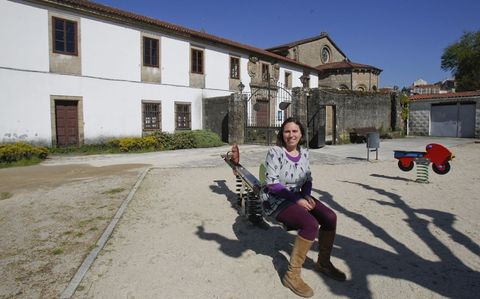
405	104
463	60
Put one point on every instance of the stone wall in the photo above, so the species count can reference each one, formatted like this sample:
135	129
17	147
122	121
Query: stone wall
349	80
419	119
226	115
310	53
215	116
334	81
356	110
420	111
366	80
237	106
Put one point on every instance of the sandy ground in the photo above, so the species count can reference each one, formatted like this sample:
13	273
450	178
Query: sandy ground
181	236
50	220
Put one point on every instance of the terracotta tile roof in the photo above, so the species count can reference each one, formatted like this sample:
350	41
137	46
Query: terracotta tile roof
345	65
101	10
461	94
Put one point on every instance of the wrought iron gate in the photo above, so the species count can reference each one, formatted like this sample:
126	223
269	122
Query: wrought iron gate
267	106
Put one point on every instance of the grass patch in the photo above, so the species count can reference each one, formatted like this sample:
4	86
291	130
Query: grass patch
79	234
85	222
57	251
158	141
5	195
22	162
114	191
87	149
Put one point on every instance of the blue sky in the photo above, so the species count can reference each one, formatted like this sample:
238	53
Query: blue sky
404	38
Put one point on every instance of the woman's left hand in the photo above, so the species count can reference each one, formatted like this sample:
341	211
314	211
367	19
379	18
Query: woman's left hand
310	200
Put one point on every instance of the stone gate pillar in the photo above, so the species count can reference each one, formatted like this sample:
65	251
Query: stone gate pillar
236	119
299	104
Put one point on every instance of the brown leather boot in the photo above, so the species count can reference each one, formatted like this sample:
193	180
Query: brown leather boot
292	279
323	265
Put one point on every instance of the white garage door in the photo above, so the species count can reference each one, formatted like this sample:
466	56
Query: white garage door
453	120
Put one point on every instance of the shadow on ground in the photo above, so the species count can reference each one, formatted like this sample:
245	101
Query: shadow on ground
448	277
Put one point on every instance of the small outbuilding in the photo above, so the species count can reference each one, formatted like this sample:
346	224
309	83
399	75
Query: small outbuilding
445	115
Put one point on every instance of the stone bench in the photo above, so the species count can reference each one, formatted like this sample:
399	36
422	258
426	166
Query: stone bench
359	135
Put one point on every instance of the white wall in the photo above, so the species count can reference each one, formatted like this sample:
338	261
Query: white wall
296	74
25	112
175	61
217	68
23	36
110	108
313	81
109	85
110	51
244	76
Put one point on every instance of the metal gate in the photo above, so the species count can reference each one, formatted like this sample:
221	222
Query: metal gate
267	107
453	120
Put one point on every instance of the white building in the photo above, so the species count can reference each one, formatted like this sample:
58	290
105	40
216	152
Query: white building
74	72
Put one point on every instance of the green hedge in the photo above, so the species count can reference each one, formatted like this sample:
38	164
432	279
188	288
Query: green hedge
158	141
206	139
14	152
165	141
132	144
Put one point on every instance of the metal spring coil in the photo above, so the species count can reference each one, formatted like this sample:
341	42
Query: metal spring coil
239	190
253	208
422	171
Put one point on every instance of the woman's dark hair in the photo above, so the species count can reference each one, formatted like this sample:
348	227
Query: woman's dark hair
280	141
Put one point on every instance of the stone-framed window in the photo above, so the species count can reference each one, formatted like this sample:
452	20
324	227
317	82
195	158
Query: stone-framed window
151	116
265	72
288	80
183	116
64	36
197	62
150	52
234	67
325	54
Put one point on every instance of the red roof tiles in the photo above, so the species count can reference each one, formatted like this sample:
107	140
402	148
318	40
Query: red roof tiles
445	95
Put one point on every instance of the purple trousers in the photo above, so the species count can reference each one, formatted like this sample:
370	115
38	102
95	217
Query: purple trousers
307	222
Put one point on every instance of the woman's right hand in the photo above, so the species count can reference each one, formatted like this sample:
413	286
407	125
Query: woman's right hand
304	203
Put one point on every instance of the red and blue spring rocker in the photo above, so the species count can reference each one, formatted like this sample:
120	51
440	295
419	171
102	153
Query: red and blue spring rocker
436	154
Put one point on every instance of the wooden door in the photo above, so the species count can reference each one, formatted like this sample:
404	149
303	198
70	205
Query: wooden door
262	113
66	117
